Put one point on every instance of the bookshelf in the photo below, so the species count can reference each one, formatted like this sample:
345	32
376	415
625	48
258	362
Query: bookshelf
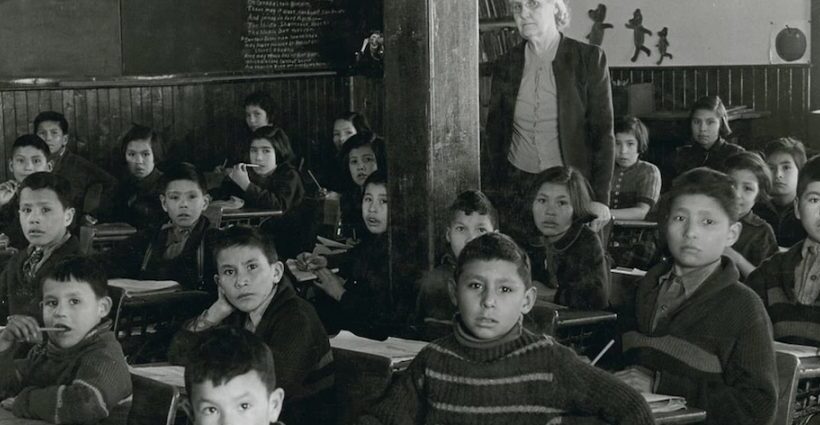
497	31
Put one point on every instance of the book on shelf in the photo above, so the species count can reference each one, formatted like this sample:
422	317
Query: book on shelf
494	44
493	9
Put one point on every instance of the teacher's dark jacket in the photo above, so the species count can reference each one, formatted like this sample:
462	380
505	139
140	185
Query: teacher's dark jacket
584	112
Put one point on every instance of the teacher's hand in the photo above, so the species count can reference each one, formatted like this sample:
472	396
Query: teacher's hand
602	214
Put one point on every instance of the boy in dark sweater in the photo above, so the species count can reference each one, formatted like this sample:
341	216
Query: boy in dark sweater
232	380
693	330
78	373
253	294
785	157
491	370
178	250
471	215
45	214
787	282
29	154
85	177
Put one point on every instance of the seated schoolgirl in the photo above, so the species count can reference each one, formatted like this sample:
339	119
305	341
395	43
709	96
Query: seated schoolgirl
363	154
566	255
360	297
709	123
136	197
757	240
636	184
330	171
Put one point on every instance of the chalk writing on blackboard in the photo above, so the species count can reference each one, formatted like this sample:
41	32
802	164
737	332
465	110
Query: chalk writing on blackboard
286	35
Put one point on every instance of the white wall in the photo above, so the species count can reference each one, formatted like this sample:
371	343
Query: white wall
701	32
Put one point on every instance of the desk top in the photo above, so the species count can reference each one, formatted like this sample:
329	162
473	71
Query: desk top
249	213
745	114
636	224
7	418
690	415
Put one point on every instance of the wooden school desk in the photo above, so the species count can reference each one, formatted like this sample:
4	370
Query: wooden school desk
8	418
798	370
585	331
221	218
690	415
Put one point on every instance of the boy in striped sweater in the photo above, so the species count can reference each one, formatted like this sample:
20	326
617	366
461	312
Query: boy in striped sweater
693	330
77	374
491	370
788	282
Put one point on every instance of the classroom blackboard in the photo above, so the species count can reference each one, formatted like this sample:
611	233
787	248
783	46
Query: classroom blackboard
59	38
182	36
195	36
113	38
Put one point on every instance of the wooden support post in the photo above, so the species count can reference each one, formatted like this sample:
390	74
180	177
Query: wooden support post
431	122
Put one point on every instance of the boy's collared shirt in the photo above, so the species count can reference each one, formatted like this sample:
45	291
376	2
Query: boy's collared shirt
47	251
177	237
677	288
807	274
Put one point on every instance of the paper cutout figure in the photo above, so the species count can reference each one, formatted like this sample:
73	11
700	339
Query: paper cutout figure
598	16
663	44
639	34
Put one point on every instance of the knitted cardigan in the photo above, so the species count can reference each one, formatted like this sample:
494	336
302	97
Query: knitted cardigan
24	298
301	352
434	309
715	350
86	383
83	174
757	241
774	282
576	265
529	379
693	155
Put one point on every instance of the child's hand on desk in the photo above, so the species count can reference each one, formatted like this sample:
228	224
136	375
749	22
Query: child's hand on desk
239	175
7	191
602	216
307	261
7	403
22	329
330	283
640	379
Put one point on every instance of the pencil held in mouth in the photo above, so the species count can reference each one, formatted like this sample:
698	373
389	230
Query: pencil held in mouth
43	329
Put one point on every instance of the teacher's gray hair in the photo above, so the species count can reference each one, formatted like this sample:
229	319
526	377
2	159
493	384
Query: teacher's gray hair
561	14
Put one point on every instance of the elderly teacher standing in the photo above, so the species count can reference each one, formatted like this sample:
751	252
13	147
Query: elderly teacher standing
551	104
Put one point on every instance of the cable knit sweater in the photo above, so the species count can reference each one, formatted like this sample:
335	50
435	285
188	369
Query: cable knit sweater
520	379
715	349
86	383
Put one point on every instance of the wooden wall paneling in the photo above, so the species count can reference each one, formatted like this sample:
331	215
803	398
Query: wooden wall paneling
21	122
9	129
91	149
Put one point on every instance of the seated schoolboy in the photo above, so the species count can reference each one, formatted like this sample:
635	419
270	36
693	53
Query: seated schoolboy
255	294
232	380
178	250
77	373
45	214
136	200
787	282
785	157
360	298
85	177
693	330
752	182
29	154
709	124
362	154
471	215
566	255
271	182
491	369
